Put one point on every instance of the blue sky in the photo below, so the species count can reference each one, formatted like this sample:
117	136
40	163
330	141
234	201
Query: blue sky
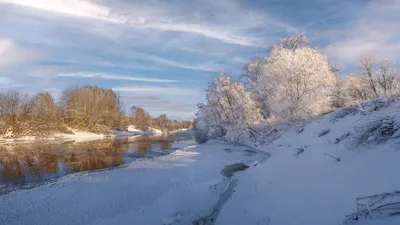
159	54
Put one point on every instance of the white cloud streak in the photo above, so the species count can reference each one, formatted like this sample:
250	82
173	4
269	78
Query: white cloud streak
375	30
113	77
161	91
171	63
5	81
79	8
163	18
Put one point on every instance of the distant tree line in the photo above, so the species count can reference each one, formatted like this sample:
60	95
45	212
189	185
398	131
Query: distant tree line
142	120
293	82
90	108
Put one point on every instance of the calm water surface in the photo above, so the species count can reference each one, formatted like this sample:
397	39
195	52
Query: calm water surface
30	162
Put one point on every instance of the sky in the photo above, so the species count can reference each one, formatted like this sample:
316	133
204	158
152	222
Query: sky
160	54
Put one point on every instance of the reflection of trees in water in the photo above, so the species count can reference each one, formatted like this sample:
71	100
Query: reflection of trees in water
144	144
27	162
34	161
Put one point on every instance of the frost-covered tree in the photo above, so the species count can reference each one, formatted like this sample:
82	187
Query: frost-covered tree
367	64
295	81
229	110
380	76
386	77
356	89
252	75
338	96
293	42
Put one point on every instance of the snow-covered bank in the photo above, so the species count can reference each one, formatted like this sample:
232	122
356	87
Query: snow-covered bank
175	189
80	135
76	135
314	177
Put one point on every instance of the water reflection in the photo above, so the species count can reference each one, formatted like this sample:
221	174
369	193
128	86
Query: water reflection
29	162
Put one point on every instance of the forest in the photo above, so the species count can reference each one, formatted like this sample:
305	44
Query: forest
89	108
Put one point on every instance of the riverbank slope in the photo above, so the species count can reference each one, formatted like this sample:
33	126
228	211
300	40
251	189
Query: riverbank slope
317	171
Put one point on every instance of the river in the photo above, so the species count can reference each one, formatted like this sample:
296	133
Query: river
168	180
30	162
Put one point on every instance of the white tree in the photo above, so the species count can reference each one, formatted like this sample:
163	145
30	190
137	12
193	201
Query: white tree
380	76
367	64
297	80
293	42
356	88
229	110
386	77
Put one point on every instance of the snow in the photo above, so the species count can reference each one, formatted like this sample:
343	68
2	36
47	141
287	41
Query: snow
132	128
314	188
80	135
155	131
179	130
313	177
174	189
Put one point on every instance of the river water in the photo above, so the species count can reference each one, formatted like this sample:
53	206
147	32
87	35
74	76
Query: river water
24	163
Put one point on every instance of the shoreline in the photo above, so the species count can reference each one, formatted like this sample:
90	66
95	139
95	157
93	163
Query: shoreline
82	136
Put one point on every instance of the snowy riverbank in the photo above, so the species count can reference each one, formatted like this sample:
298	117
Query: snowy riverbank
80	135
314	177
175	189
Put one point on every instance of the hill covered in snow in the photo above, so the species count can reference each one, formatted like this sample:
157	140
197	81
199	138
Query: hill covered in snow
318	170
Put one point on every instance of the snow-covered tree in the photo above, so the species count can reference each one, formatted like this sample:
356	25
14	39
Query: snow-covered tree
386	77
229	110
356	89
295	80
380	76
293	42
367	64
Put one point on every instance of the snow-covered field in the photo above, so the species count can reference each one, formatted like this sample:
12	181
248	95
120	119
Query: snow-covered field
174	189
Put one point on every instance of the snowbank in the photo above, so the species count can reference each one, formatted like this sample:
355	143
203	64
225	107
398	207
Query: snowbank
313	177
80	136
179	130
133	129
155	131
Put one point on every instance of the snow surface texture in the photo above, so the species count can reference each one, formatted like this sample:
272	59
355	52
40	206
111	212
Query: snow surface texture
303	184
175	189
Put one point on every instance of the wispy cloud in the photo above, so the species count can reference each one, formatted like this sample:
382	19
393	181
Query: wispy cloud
200	67
113	77
201	30
230	27
5	81
374	30
161	91
77	8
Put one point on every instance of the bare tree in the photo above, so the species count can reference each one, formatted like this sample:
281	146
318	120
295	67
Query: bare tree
91	107
356	88
385	77
367	64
